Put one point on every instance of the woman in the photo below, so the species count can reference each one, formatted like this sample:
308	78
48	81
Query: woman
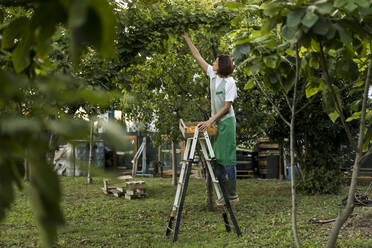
223	93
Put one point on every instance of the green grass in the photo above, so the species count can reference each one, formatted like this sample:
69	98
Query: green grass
263	213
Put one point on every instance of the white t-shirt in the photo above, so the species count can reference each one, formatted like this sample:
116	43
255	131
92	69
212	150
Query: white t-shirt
230	87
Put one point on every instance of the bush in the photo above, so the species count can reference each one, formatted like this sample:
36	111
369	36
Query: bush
321	180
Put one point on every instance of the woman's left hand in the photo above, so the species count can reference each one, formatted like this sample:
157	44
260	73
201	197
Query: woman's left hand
204	125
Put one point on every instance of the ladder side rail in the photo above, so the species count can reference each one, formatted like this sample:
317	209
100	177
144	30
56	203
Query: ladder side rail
209	145
179	188
187	149
182	201
182	176
193	146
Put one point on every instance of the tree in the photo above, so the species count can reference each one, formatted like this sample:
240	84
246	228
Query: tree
32	91
332	41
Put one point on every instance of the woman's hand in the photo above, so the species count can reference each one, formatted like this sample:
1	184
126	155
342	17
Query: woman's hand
202	126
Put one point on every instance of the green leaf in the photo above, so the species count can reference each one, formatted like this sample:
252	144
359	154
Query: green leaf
249	85
340	3
255	68
324	8
333	116
310	19
236	20
367	139
69	128
271	8
363	3
347	69
1	15
240	51
311	89
21	54
9	175
294	17
351	6
46	196
331	32
16	125
271	61
98	30
77	14
344	36
315	45
114	136
288	33
14	31
321	27
108	22
234	5
355	116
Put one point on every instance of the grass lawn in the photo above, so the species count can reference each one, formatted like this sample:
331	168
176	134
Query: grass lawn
263	213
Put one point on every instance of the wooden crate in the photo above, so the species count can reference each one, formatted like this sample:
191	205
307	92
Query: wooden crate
188	129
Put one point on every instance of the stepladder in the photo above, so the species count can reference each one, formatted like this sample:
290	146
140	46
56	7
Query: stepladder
199	141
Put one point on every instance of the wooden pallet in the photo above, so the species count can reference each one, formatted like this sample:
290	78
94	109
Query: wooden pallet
266	153
135	190
244	173
268	146
116	191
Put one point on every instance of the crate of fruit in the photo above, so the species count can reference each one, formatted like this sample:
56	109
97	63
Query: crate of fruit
188	129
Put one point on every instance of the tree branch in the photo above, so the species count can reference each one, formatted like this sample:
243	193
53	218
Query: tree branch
296	79
284	91
307	104
334	96
272	102
369	152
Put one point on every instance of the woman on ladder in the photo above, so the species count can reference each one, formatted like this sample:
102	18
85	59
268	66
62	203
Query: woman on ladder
223	93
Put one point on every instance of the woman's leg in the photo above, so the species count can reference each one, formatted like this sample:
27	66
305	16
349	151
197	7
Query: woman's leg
230	184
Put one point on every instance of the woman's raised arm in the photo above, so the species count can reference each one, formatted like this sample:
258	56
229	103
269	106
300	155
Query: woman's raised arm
195	52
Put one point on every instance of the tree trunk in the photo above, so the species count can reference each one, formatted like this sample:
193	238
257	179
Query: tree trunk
342	217
51	148
293	184
209	190
174	165
27	167
91	145
208	183
291	141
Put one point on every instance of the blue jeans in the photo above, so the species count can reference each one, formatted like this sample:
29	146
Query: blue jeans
225	172
230	172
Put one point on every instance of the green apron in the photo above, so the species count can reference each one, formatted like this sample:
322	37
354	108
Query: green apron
224	145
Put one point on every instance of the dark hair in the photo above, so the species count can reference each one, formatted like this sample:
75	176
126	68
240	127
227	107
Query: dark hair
225	65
